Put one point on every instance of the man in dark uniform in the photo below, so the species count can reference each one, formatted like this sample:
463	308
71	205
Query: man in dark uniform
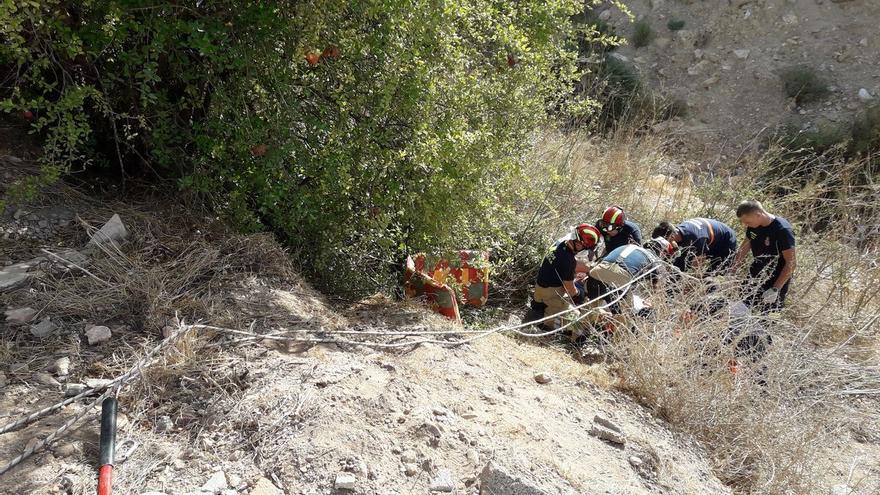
555	288
771	240
700	239
616	230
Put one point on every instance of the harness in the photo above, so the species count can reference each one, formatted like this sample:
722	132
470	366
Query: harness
699	223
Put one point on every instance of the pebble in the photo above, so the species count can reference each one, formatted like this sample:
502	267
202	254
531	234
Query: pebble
264	487
215	483
97	334
636	461
44	328
61	366
344	481
543	378
443	482
864	95
742	54
165	424
410	469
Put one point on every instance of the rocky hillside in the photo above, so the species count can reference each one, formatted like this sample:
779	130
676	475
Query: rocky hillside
725	59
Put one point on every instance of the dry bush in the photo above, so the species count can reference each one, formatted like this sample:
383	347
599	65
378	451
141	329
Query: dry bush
822	368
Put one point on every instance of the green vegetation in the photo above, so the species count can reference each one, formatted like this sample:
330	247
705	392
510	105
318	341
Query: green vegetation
675	24
643	34
803	84
356	131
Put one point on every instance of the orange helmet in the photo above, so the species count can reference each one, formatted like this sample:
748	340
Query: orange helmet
613	215
588	234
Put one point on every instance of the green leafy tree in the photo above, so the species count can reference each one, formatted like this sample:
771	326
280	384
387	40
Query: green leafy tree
357	131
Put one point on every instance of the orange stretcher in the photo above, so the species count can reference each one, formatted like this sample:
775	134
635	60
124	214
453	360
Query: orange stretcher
442	286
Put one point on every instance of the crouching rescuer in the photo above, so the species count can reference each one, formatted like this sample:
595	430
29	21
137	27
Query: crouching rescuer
555	288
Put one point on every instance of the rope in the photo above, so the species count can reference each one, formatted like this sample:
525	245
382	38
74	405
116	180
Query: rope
117	384
113	387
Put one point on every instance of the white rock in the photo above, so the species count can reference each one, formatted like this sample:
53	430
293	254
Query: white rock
20	316
864	95
443	482
97	382
636	461
44	328
742	54
97	334
265	487
215	483
61	366
113	230
344	481
543	378
410	469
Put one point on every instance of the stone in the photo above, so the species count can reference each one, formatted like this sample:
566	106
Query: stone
607	423
496	478
790	19
20	316
710	82
46	379
98	382
742	54
410	469
605	15
473	456
44	328
345	481
112	231
10	280
67	449
215	483
97	334
74	389
265	487
608	435
864	95
543	378
432	429
443	482
61	366
636	461
164	424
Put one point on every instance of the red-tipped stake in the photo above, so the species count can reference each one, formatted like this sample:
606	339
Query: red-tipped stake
108	445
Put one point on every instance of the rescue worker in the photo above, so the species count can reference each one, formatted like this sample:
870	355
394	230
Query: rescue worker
616	230
702	242
555	288
622	265
770	239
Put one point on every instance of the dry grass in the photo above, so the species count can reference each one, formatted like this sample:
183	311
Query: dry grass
822	371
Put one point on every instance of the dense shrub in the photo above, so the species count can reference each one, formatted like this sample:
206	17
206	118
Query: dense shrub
803	84
643	34
357	131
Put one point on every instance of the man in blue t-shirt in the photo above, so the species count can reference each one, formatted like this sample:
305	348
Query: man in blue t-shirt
771	240
616	230
555	288
700	239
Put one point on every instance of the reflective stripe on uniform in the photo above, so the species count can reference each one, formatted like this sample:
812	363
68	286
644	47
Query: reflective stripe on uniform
699	222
